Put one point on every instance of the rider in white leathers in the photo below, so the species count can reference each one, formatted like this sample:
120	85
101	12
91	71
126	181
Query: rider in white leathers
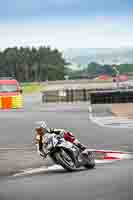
42	130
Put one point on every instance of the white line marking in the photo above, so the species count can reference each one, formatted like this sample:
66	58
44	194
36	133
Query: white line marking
112	122
6	148
113	151
38	170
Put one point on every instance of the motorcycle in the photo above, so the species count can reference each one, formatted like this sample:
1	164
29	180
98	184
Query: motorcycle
68	155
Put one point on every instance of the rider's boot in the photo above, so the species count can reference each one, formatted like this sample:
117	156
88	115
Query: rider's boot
82	147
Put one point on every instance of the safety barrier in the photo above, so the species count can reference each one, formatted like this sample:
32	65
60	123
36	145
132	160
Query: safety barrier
67	95
116	102
11	102
111	96
97	96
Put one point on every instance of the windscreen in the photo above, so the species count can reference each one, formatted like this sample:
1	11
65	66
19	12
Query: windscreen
8	88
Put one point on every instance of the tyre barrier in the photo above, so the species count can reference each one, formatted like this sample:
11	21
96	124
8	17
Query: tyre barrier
11	102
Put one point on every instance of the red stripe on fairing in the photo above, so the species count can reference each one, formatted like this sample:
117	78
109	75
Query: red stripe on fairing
68	137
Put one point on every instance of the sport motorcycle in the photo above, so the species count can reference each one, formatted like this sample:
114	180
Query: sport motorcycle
67	154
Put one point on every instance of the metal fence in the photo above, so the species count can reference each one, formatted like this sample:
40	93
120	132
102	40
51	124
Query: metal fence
111	96
67	95
94	96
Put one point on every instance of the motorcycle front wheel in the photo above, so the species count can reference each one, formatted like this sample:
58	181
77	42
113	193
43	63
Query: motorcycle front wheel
65	159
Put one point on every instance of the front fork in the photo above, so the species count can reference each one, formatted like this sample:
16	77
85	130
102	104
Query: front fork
76	154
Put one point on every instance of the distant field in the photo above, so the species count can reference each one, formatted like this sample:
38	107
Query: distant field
29	88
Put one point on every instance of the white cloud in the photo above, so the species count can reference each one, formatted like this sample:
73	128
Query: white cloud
97	34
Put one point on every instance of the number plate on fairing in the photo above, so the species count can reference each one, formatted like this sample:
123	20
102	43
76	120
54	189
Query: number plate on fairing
66	144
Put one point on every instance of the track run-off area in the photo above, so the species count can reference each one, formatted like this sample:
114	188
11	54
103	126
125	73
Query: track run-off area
24	175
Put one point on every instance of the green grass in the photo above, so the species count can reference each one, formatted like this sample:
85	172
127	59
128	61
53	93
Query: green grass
30	88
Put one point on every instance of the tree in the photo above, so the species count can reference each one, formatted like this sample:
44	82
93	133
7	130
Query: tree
32	64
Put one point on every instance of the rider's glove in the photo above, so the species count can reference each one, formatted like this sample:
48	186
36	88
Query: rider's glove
41	153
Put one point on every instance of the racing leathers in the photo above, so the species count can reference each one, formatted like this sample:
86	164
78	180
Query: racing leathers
68	136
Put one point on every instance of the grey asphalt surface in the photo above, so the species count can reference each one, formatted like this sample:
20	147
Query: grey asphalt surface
107	181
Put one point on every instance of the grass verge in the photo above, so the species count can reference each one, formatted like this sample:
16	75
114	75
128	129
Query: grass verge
30	88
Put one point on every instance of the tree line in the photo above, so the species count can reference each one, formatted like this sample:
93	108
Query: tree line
94	69
43	63
32	64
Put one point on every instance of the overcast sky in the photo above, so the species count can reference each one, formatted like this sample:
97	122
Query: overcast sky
66	23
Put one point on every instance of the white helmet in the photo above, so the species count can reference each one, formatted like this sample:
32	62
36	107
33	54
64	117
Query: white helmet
41	124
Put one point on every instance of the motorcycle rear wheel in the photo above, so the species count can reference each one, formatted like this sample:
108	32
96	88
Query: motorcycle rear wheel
90	161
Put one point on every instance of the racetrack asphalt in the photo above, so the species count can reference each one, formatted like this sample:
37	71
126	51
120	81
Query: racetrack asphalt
106	181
